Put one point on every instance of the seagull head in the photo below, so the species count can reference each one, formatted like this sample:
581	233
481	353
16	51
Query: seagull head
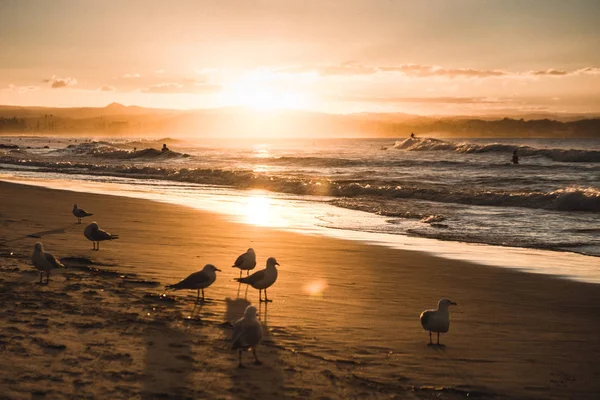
211	267
445	303
250	250
93	226
271	262
38	247
75	206
250	312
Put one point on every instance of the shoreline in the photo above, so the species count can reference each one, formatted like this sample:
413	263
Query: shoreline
344	321
562	264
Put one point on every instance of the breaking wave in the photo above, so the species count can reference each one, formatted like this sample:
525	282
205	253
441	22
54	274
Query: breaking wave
563	199
560	155
111	151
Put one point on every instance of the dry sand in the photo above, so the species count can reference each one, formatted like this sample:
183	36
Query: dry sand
344	322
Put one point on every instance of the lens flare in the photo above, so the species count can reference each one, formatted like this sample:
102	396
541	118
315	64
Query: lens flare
316	288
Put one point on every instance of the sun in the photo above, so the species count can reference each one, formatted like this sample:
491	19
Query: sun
262	92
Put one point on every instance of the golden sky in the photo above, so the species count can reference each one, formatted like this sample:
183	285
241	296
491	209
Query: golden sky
424	57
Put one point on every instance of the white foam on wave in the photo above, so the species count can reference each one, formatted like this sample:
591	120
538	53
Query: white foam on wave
560	155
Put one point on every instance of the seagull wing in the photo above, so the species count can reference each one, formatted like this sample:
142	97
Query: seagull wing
253	333
197	280
246	333
237	337
103	235
52	260
87	232
425	317
240	260
255	277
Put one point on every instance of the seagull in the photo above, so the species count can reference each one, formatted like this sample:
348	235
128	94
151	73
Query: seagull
44	261
96	235
437	320
262	279
247	333
198	280
80	213
245	261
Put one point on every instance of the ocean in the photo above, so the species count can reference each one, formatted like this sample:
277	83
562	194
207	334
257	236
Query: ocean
459	198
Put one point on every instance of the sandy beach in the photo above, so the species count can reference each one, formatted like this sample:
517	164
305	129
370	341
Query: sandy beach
344	322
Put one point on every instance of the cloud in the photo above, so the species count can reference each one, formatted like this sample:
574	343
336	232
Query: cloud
428	100
56	82
550	72
415	70
186	86
159	71
21	89
426	71
106	88
30	88
588	70
561	72
131	76
410	70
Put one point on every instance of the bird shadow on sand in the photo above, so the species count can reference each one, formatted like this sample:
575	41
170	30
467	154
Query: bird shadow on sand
235	309
255	381
40	234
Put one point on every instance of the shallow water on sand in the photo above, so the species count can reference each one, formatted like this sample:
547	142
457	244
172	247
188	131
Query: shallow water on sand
317	216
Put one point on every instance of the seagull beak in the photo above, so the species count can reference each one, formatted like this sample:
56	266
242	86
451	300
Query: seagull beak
276	263
217	269
453	303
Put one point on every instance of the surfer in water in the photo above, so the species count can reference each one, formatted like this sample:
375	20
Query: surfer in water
412	135
515	157
164	148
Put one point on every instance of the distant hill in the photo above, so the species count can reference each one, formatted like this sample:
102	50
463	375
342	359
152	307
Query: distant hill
117	119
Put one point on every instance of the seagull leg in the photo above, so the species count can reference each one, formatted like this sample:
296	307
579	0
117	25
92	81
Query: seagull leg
256	360
240	274
41	276
438	340
240	357
266	299
47	277
98	249
430	338
203	295
260	295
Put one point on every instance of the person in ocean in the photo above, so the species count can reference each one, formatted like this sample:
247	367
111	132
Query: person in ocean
515	157
164	148
412	135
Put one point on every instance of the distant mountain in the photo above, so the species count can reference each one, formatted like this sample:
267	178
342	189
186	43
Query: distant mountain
117	119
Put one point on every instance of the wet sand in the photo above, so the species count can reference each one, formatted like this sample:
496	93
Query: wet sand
344	322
